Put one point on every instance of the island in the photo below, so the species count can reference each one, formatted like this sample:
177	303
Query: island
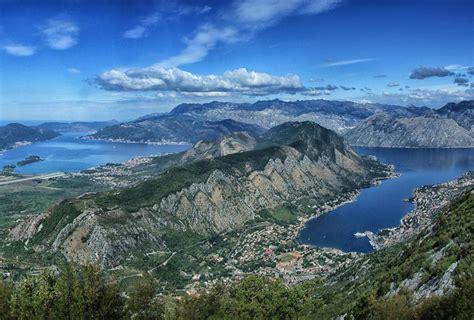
30	159
8	169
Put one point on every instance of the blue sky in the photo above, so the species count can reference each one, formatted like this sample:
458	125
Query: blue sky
88	60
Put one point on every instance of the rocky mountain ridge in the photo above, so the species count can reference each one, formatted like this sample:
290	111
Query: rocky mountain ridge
363	124
208	197
451	126
339	116
172	129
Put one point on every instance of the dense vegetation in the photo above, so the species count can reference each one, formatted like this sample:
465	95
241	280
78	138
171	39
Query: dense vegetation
86	293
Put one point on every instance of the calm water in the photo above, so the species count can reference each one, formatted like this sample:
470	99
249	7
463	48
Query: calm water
383	206
68	153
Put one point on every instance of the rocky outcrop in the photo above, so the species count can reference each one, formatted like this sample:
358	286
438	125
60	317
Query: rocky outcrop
27	228
462	113
384	130
234	143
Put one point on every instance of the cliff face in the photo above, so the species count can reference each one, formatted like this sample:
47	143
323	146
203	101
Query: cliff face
234	143
462	113
451	126
216	195
418	132
339	116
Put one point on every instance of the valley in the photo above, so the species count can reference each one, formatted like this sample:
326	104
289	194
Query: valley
236	160
224	210
276	174
186	255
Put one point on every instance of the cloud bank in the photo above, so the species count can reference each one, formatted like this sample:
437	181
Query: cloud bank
238	22
175	80
422	97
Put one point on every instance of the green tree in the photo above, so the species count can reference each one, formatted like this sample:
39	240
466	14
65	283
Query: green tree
143	303
6	290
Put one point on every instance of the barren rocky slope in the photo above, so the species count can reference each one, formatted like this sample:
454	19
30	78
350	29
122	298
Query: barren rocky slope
451	126
383	130
339	116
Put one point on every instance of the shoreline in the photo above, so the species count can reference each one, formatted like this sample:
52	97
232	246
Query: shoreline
343	199
159	143
428	201
412	148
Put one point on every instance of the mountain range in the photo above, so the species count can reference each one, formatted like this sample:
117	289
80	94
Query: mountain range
172	129
362	124
15	134
451	126
339	116
78	126
214	188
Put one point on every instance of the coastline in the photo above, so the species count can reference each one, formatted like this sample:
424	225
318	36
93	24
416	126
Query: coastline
17	144
159	143
428	201
340	201
413	148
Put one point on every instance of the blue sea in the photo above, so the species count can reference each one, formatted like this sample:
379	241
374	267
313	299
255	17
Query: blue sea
69	153
383	206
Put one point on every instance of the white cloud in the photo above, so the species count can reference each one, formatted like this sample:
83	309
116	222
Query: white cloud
266	12
240	22
347	62
73	70
142	28
236	23
423	97
159	79
456	67
19	50
136	32
197	47
60	34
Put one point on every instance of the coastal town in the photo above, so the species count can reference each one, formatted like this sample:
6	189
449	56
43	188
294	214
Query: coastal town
269	248
428	202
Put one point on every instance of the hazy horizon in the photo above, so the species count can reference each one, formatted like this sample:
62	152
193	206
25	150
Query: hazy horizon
63	60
